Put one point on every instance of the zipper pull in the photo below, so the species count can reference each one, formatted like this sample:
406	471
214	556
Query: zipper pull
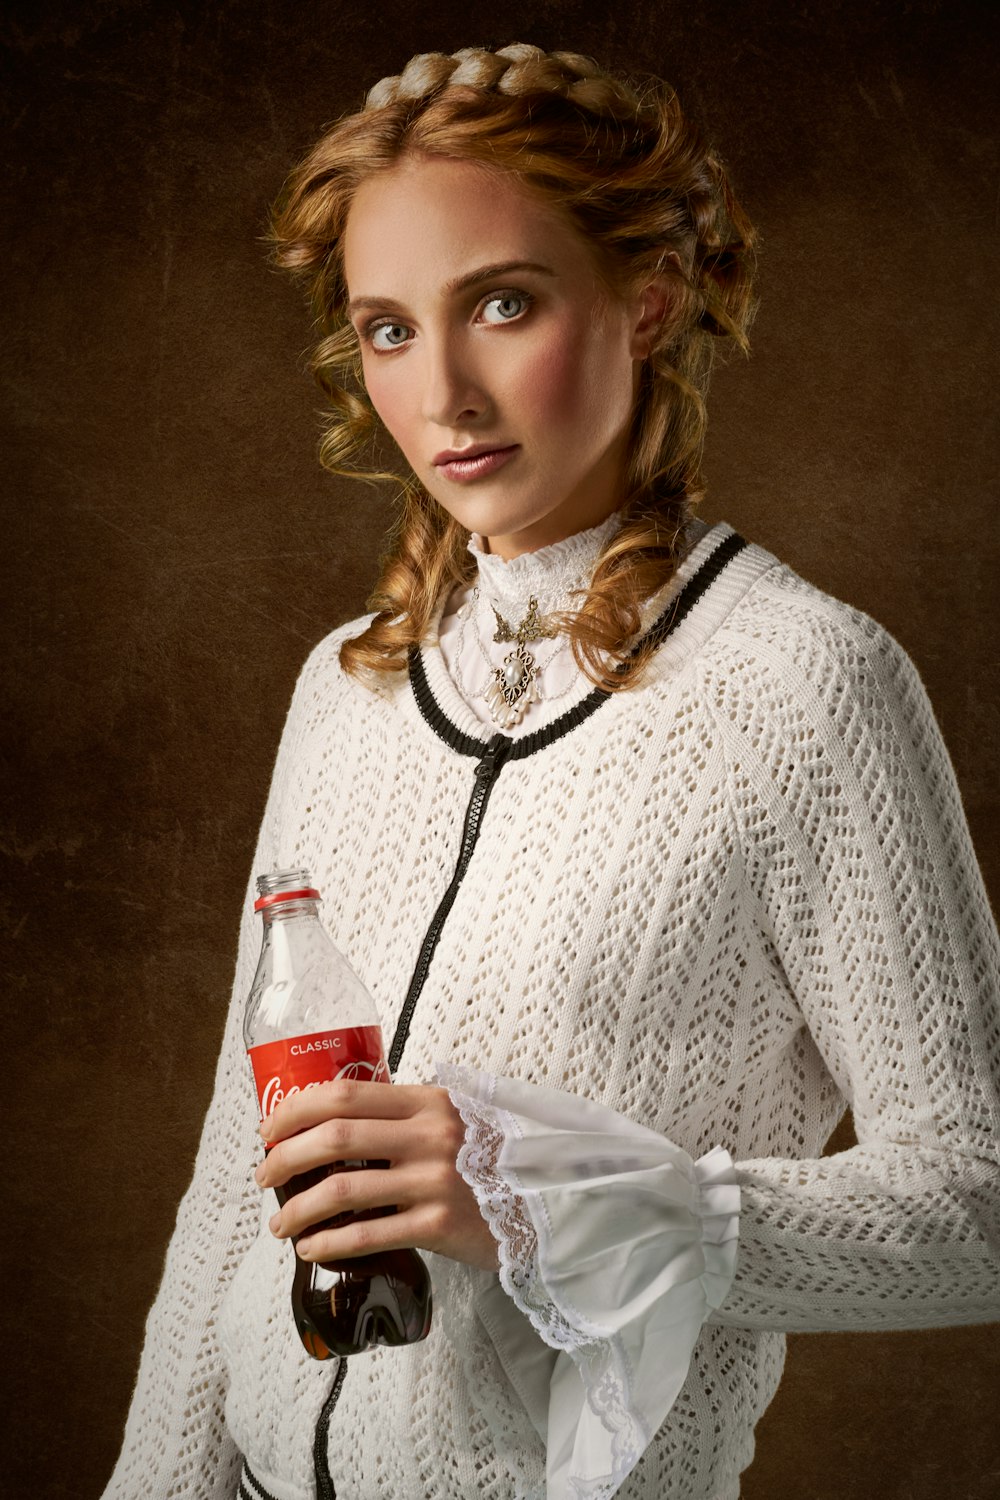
496	753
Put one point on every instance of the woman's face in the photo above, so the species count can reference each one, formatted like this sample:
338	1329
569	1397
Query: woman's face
463	350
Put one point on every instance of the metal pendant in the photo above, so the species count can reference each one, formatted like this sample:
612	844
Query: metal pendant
512	688
532	628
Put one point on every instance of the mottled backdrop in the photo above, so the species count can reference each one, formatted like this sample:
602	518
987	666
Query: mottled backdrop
173	551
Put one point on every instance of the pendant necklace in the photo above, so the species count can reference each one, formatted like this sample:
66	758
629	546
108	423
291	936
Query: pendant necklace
512	681
513	686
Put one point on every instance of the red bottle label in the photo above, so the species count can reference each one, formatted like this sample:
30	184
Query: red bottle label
283	1068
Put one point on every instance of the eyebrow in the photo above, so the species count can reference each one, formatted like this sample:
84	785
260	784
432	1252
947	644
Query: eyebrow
459	284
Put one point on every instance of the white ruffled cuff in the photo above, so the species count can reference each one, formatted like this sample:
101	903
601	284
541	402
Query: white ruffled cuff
614	1244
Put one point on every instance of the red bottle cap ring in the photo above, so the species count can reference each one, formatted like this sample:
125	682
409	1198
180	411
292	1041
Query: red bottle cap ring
307	893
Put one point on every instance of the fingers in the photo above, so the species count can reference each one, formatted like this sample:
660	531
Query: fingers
348	1192
357	1193
328	1142
455	1228
346	1099
398	1231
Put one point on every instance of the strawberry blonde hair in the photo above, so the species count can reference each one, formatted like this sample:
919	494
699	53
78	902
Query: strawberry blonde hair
635	178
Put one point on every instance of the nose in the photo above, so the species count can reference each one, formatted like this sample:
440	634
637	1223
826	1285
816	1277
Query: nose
453	390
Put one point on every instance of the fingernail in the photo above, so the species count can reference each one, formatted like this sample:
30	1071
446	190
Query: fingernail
274	1225
260	1174
264	1128
304	1249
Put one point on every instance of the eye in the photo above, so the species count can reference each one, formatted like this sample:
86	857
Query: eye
373	329
503	301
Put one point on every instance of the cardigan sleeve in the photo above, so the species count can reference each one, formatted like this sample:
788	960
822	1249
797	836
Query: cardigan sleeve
869	899
175	1443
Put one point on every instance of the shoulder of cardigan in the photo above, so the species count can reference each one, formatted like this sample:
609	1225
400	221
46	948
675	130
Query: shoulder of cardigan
530	744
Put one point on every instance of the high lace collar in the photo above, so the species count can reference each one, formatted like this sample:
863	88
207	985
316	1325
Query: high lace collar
548	574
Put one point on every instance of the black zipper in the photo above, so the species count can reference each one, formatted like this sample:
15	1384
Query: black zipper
321	1460
487	771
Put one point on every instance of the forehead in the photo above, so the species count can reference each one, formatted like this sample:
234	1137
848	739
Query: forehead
425	219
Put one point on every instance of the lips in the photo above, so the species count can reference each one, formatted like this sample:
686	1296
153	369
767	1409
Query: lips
461	455
476	463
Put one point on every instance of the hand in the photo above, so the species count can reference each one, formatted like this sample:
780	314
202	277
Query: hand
417	1129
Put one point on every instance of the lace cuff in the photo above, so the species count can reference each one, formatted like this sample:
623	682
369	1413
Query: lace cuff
614	1244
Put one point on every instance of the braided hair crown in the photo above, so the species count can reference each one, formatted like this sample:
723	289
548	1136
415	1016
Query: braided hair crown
515	69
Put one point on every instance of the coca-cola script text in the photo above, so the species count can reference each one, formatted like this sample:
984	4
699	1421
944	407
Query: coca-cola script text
284	1068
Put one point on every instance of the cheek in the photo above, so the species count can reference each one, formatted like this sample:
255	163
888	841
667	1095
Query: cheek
389	398
573	385
549	383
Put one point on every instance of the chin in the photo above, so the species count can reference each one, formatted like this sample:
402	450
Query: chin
488	520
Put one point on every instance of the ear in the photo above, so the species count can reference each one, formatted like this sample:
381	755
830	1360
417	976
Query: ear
652	308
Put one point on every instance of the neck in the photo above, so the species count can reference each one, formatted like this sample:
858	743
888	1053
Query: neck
546	533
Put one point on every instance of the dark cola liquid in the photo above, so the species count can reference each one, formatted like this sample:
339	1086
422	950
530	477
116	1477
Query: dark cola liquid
347	1306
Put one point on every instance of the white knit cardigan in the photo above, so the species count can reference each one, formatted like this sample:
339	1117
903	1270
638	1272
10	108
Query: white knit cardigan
724	906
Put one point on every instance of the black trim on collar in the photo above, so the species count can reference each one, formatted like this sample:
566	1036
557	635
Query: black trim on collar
672	616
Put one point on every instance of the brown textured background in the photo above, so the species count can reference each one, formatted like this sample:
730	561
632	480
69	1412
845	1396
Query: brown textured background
173	551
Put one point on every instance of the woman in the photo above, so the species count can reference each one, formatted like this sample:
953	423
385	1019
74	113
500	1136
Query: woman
649	851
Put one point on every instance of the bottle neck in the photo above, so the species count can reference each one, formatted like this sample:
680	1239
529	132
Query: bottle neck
296	909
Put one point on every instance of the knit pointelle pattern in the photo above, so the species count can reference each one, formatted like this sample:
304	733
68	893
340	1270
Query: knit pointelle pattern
729	904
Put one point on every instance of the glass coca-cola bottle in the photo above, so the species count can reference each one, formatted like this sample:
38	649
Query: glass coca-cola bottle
310	1020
